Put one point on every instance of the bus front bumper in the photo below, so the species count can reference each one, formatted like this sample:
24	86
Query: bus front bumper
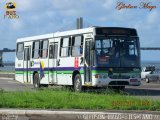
116	82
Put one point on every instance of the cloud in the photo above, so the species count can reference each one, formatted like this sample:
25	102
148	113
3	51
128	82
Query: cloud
26	5
16	24
149	29
153	17
109	4
40	17
32	6
65	4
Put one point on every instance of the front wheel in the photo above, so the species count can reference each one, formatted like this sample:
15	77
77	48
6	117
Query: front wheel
77	83
36	80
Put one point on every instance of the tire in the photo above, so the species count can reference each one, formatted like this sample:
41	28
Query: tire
36	80
147	80
77	83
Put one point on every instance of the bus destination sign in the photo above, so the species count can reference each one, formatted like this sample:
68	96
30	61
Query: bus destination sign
116	31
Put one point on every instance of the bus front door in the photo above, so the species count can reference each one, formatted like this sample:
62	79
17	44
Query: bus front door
88	61
26	64
53	53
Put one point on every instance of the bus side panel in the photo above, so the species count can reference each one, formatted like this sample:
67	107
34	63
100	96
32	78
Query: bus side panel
65	70
18	70
19	62
37	65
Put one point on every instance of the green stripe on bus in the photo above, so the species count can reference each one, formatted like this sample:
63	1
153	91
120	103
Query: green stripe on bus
19	72
99	71
81	71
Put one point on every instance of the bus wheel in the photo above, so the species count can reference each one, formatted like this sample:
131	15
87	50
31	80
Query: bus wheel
77	83
36	81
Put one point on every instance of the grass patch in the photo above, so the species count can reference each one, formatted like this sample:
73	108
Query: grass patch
65	99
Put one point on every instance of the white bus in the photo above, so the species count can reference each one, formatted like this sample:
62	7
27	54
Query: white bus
95	56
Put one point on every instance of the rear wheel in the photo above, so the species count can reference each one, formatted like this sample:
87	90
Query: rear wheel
36	80
77	83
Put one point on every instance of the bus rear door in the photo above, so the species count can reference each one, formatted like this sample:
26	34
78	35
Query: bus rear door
53	54
26	64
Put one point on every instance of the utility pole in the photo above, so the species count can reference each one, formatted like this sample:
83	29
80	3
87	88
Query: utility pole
79	23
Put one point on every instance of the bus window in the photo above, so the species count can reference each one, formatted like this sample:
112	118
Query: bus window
53	50
35	52
77	46
44	49
20	48
26	54
65	47
132	49
103	47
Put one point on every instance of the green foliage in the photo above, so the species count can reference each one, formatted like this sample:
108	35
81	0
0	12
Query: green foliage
65	99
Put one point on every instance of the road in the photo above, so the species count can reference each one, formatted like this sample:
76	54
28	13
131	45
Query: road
8	84
145	90
13	114
150	90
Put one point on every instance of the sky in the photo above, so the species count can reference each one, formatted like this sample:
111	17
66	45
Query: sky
41	17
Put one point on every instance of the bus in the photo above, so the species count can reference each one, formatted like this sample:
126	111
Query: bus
88	57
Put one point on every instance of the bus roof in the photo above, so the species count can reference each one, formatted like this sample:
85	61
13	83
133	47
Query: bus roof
71	32
45	36
57	34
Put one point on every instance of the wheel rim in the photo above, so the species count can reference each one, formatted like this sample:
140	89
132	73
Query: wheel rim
78	84
36	80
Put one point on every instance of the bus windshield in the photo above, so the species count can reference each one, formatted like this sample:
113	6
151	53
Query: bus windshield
117	52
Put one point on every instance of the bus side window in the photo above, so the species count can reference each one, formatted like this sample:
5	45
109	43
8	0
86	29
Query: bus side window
77	46
35	50
19	52
51	50
65	47
44	49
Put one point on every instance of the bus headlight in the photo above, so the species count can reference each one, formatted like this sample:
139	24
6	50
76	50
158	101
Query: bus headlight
97	76
101	76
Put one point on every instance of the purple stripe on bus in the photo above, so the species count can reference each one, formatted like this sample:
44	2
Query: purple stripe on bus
61	69
47	69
